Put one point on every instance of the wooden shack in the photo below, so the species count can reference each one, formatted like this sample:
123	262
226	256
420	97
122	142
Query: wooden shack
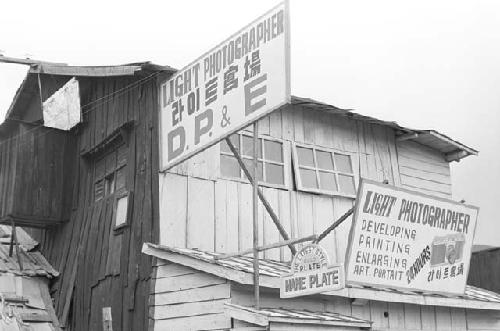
90	191
312	158
99	196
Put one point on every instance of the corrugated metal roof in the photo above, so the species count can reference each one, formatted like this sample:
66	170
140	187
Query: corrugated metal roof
264	316
453	149
275	269
33	262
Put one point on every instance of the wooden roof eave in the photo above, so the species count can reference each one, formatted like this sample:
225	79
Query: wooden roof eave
457	150
254	316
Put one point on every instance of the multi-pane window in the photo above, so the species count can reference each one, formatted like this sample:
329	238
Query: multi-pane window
272	164
324	171
110	180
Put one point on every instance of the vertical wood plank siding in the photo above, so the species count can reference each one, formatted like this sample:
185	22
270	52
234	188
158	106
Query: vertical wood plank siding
35	173
100	268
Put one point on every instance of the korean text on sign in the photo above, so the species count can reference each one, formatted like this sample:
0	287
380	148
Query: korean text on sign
408	240
242	79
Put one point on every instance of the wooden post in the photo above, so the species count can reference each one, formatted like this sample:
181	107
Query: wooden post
334	225
255	200
262	198
312	237
107	319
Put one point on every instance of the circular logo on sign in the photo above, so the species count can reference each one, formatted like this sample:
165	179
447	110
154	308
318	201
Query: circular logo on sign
310	257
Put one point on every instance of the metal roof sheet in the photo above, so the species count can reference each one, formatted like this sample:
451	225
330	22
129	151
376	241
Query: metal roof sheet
264	316
270	272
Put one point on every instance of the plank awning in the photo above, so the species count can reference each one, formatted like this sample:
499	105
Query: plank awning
266	316
33	262
452	149
240	270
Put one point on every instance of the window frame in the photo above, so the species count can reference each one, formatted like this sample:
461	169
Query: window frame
128	213
317	169
114	194
243	179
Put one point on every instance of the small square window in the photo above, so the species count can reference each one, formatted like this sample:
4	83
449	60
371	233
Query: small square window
229	166
308	178
306	157
343	163
324	160
234	140
247	146
274	174
249	164
273	151
327	181
347	184
323	171
271	158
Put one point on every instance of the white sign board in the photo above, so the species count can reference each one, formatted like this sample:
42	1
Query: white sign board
237	82
62	109
311	273
407	240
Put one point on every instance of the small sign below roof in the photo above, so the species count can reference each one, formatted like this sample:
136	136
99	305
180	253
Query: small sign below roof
312	273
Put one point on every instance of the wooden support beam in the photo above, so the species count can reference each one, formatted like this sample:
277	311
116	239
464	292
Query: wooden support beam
334	225
255	215
267	247
12	239
15	60
262	198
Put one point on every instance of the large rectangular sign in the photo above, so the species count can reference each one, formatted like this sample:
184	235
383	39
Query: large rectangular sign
407	240
240	80
311	282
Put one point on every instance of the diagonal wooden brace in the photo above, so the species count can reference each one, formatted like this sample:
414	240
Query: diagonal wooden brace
334	225
262	198
14	242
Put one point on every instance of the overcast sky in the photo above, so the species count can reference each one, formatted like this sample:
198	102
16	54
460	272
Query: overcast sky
425	64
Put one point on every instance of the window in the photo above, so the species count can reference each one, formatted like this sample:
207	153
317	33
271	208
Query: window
324	171
110	181
272	163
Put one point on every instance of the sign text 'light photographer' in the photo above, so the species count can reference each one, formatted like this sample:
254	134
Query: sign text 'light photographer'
237	82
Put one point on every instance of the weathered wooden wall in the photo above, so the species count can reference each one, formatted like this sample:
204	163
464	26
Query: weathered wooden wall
200	209
423	169
100	267
35	172
182	296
